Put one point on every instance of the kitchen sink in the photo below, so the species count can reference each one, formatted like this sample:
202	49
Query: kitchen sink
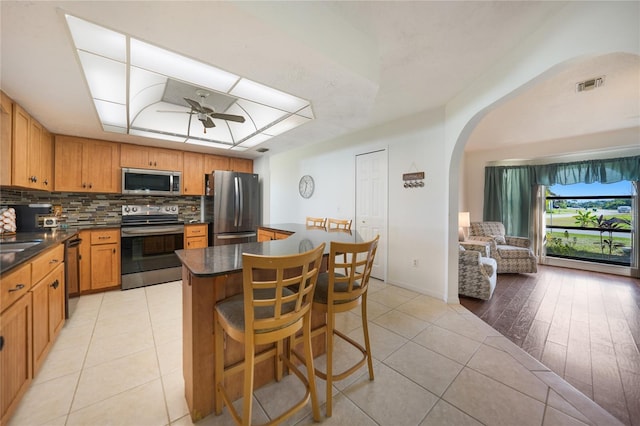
17	246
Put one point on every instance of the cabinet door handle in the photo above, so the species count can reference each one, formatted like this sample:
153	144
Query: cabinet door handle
90	185
55	284
84	185
1	342
18	287
53	261
114	251
104	237
46	181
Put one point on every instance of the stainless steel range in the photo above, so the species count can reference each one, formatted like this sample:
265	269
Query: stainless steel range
149	237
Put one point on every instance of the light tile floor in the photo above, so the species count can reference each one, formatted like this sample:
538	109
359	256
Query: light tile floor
118	361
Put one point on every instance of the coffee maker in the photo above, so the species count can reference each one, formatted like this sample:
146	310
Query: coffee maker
34	217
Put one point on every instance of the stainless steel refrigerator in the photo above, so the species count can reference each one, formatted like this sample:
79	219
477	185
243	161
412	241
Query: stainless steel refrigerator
232	207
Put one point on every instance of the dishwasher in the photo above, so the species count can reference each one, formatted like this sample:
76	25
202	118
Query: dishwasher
72	271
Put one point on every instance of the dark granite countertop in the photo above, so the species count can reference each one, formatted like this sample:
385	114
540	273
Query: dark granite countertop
49	239
219	260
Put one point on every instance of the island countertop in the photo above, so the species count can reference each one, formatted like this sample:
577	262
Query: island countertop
220	260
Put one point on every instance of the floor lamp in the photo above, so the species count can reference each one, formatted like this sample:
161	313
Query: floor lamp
463	222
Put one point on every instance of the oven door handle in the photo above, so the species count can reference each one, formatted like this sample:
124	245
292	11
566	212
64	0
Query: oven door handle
234	236
154	231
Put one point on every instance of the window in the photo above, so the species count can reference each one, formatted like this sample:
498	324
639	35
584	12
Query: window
592	222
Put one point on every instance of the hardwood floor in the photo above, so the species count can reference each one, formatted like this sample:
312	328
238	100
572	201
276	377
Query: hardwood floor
583	325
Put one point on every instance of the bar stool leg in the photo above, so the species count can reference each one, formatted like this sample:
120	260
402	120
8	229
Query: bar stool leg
219	364
247	403
365	328
311	377
330	341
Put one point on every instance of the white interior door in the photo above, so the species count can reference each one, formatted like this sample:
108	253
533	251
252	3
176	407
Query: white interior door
371	204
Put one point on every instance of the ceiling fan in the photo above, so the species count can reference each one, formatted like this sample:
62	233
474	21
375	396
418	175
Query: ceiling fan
205	113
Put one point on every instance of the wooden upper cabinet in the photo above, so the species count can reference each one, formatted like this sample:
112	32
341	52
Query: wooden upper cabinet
241	165
31	159
101	174
46	160
219	162
6	111
86	165
193	174
144	157
215	162
35	154
21	176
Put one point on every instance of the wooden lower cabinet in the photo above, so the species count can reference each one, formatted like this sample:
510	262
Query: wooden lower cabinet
105	258
15	355
99	260
48	314
270	234
196	236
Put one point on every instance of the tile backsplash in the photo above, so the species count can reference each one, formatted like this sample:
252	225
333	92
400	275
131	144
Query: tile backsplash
83	209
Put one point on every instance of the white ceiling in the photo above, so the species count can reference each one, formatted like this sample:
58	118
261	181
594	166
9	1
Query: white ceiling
359	63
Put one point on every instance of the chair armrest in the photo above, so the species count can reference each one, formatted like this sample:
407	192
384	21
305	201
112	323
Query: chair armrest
469	257
518	241
492	243
484	238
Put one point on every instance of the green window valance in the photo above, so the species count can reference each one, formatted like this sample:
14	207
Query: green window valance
509	190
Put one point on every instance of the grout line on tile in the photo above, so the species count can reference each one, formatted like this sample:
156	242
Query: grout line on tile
155	347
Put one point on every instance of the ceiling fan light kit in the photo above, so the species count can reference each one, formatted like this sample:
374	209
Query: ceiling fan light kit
133	83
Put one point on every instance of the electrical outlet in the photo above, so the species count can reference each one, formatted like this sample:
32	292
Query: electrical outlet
415	263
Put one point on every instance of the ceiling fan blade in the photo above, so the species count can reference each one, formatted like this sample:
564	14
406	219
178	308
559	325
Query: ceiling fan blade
176	112
194	105
206	109
228	117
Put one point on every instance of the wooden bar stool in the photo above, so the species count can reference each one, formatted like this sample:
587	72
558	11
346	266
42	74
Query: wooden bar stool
316	222
274	305
340	289
341	224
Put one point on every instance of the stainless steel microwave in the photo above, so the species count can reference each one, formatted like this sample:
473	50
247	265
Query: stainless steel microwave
151	182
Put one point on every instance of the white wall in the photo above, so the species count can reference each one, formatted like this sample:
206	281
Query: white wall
423	223
414	144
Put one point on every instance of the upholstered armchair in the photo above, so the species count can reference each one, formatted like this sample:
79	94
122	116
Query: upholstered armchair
513	254
476	274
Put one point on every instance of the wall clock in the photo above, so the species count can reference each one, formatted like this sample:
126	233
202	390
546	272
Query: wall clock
306	186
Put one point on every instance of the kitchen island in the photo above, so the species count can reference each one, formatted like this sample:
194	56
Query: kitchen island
215	273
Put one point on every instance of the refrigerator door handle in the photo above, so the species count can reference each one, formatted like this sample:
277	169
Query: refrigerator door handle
236	200
240	201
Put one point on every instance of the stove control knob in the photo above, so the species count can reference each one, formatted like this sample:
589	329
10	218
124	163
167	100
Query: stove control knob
134	209
126	209
174	209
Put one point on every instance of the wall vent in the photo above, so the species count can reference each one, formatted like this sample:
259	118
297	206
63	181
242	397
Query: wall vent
590	84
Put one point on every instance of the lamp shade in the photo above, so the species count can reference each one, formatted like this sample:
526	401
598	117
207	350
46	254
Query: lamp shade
464	220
